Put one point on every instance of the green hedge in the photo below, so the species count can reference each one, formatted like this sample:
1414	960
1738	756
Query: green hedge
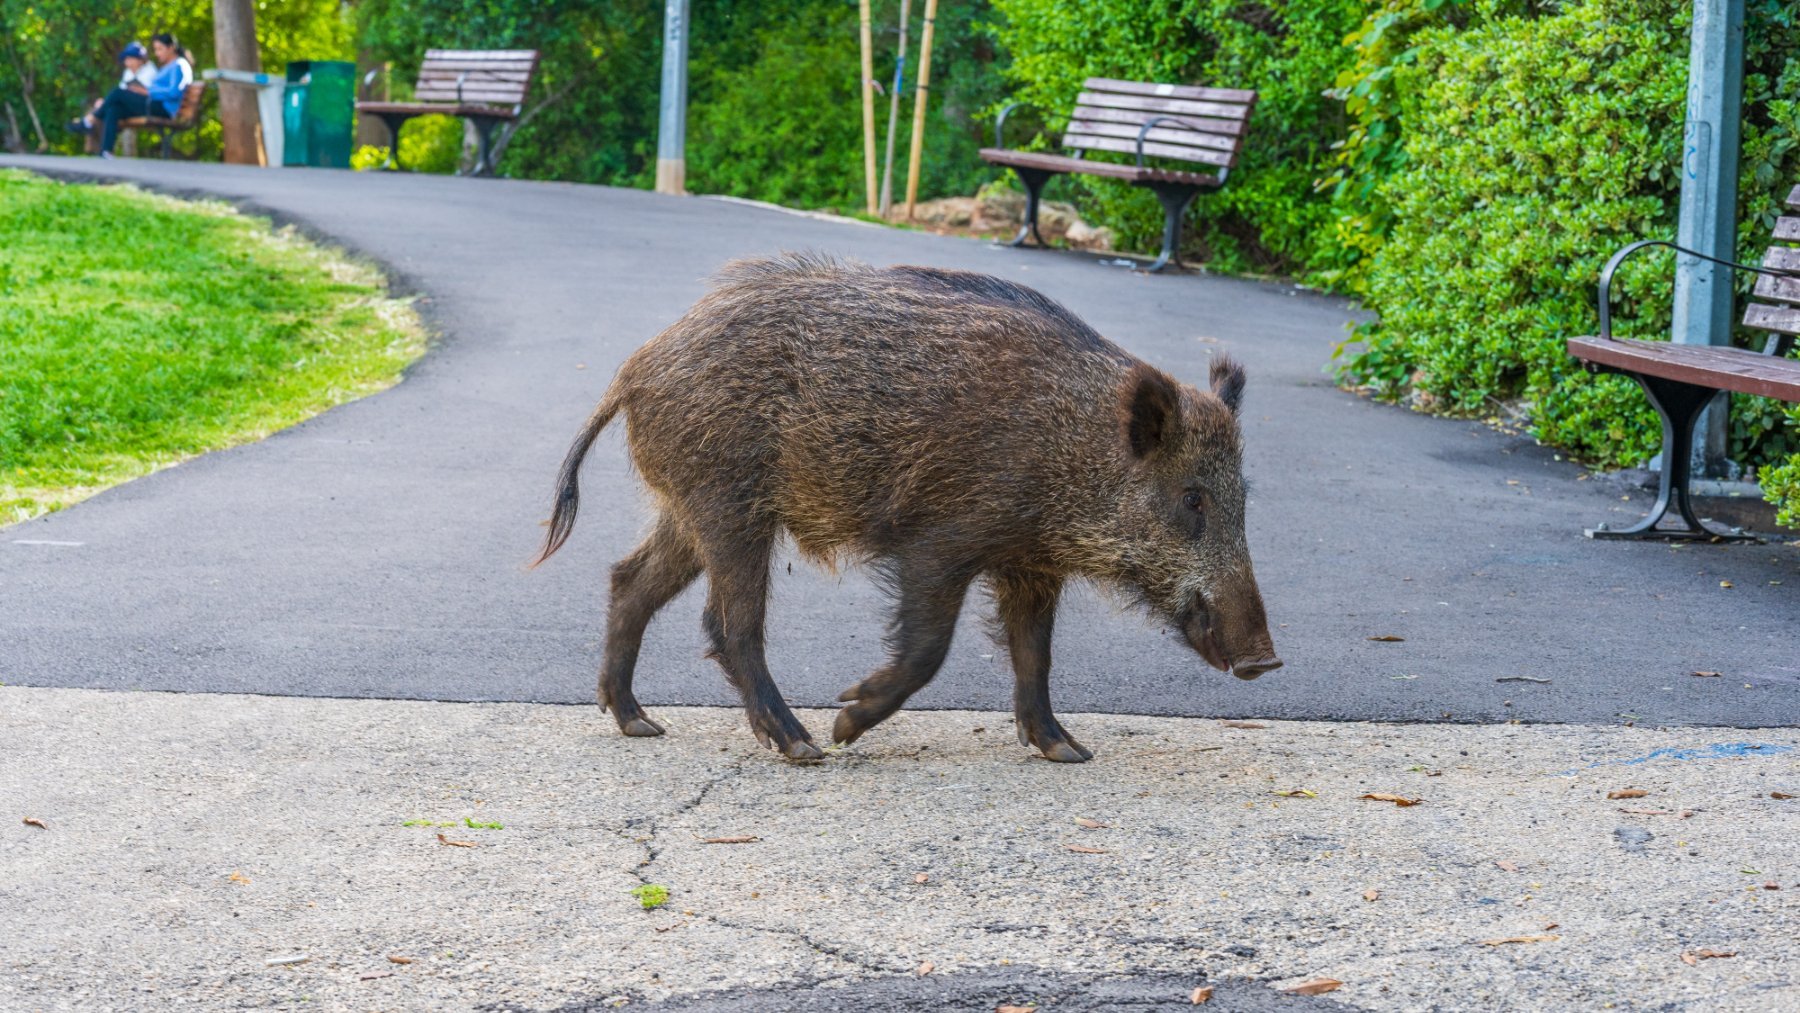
1532	149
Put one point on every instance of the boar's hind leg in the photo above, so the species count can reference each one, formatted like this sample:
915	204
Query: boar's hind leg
923	624
642	583
1027	604
737	576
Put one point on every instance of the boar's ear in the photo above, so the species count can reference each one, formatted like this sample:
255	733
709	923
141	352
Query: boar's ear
1152	410
1228	382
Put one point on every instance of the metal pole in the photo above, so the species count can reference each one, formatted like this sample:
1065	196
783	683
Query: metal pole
887	171
868	90
920	100
671	134
1708	219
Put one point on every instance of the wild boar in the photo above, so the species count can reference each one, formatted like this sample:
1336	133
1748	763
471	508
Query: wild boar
945	427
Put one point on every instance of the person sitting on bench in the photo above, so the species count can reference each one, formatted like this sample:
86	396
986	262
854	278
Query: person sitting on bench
138	70
162	97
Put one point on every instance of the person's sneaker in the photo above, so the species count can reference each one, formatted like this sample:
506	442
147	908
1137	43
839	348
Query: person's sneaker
106	154
79	126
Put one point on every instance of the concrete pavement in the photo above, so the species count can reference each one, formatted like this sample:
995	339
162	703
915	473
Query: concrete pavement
235	851
376	550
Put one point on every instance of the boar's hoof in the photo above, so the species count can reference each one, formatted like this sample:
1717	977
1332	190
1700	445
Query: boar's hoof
640	726
1066	752
800	749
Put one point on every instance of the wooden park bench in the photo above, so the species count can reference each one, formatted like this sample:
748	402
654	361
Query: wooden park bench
164	128
1681	380
485	87
1203	126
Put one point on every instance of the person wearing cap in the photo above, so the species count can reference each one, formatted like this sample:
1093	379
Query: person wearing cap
161	97
136	69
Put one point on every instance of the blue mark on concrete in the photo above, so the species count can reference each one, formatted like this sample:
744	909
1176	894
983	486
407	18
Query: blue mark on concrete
1716	751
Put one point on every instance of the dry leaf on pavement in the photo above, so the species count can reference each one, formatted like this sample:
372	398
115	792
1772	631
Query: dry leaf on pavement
456	844
372	975
1015	1009
1505	865
925	968
1692	957
399	960
1773	794
1298	793
747	839
33	821
238	877
1086	824
1313	986
1627	793
1243	724
1082	849
1201	994
1519	939
1389	638
1707	675
922	879
1371	895
1399	800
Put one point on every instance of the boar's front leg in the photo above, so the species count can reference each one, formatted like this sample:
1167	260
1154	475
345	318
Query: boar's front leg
1027	606
737	575
642	583
930	596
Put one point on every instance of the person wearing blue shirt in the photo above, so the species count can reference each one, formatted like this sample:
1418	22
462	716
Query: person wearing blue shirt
161	97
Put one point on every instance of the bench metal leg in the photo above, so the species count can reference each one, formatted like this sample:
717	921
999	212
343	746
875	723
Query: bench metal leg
393	121
1034	180
1175	198
484	133
1680	405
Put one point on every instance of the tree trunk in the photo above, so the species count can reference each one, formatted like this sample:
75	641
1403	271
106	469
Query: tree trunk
234	48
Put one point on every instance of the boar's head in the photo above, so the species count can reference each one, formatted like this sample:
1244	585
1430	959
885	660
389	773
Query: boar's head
1179	531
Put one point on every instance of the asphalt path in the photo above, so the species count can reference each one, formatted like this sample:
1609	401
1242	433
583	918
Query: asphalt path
378	550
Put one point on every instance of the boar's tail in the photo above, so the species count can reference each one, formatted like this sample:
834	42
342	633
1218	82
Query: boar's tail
568	486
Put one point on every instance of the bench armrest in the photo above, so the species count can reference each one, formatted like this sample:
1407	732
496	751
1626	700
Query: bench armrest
1144	132
1000	123
1606	275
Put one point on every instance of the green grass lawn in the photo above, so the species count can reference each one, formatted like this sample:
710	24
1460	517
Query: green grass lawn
137	330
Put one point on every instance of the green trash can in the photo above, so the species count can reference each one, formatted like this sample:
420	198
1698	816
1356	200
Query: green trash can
319	115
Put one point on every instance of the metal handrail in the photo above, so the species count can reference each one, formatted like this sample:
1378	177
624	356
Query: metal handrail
1612	265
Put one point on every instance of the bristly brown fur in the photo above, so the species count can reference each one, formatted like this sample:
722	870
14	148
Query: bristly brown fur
950	427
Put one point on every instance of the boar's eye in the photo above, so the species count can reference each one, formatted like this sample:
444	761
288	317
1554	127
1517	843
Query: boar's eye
1191	500
1195	501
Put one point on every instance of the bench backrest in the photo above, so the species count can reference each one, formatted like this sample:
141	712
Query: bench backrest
1208	127
188	113
1783	320
496	77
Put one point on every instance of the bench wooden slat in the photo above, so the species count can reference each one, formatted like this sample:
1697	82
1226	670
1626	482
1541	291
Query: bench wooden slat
470	93
1787	228
1733	369
437	109
1201	124
521	75
1064	163
1204	156
1780	289
1186	91
1782	258
473	67
1781	319
1151	104
481	54
1793	198
1169	133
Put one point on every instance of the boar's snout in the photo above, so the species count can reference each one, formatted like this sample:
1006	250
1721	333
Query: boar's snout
1242	647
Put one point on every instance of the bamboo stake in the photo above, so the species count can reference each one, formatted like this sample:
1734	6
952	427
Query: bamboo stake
920	99
868	95
887	172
